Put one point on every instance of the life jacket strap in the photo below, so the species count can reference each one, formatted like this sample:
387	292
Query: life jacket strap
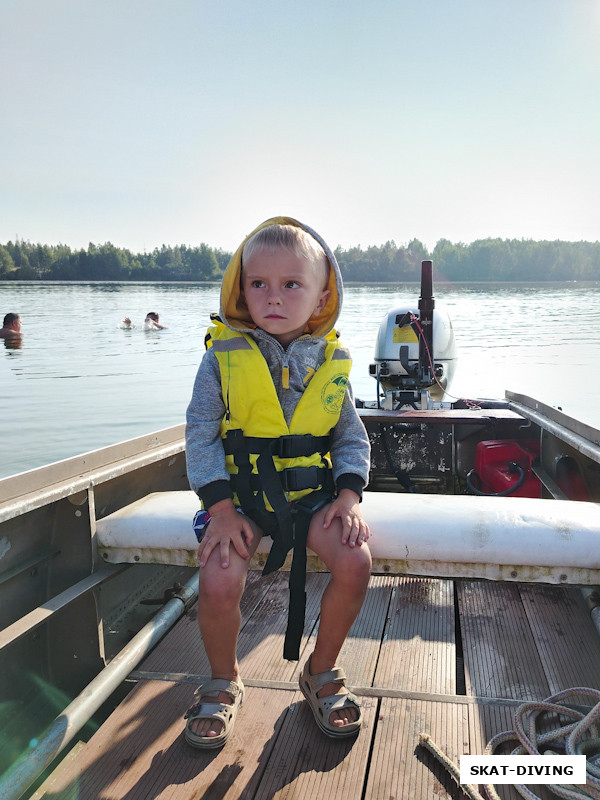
292	479
289	446
303	512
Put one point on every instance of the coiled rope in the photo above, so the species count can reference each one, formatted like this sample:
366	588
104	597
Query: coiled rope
575	733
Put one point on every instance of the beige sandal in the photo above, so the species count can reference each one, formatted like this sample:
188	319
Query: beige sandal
213	709
311	685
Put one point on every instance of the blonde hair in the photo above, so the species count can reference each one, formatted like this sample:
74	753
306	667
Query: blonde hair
291	238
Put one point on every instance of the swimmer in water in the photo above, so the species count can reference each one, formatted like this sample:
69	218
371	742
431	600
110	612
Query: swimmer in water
11	327
151	322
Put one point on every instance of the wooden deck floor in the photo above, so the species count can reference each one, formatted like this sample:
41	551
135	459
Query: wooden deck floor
426	656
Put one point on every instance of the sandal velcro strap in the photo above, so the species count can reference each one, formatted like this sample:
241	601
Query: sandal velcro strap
206	709
337	702
335	675
217	685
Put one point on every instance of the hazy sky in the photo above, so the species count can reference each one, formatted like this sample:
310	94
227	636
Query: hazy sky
143	122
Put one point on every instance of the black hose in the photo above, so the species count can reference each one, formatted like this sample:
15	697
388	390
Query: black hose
512	467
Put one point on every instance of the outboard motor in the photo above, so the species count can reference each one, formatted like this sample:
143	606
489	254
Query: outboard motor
415	353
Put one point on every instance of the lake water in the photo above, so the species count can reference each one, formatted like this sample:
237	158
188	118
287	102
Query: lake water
78	382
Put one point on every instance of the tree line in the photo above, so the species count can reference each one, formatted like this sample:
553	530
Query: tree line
483	260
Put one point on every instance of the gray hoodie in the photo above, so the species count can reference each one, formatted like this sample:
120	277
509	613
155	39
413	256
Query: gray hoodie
350	451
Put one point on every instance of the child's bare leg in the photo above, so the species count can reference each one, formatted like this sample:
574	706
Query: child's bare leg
350	569
219	620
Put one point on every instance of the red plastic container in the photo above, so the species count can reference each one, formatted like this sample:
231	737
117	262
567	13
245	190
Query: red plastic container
492	460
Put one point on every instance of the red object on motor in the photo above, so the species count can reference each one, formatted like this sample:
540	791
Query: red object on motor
500	464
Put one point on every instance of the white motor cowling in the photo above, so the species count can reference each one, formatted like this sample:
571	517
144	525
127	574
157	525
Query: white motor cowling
397	353
415	351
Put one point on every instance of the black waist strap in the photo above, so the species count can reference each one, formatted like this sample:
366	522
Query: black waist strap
293	479
290	446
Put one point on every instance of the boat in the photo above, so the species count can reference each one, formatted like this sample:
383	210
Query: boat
484	598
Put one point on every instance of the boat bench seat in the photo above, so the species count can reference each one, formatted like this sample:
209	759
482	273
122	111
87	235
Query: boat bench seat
446	536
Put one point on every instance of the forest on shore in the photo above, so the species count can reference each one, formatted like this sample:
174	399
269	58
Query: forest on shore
508	260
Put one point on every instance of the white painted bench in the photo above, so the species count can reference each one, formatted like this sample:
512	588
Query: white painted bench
492	538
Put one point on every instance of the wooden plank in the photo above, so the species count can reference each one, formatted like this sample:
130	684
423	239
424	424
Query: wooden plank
500	654
400	767
360	651
260	646
486	720
305	764
140	752
418	652
182	650
264	620
565	637
277	752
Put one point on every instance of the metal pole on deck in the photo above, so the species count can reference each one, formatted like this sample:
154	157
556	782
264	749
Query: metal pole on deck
31	765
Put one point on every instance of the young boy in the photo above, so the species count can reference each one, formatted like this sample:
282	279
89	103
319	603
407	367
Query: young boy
274	446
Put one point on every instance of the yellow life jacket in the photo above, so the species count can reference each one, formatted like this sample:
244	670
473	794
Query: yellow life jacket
272	464
254	423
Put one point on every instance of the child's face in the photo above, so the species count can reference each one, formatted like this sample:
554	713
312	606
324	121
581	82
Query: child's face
282	293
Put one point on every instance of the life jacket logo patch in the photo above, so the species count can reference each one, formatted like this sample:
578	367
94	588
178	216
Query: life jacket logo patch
333	393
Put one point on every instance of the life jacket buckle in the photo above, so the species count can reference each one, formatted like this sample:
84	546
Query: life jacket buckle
285	446
295	445
295	479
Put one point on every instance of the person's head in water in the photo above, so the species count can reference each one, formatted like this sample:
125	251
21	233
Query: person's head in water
11	326
152	322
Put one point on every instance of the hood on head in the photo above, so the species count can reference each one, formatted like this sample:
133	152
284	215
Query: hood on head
234	311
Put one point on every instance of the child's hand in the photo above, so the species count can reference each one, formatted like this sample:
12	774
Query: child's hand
346	506
227	527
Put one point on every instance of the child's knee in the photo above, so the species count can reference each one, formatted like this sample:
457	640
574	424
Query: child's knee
221	588
355	567
363	563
